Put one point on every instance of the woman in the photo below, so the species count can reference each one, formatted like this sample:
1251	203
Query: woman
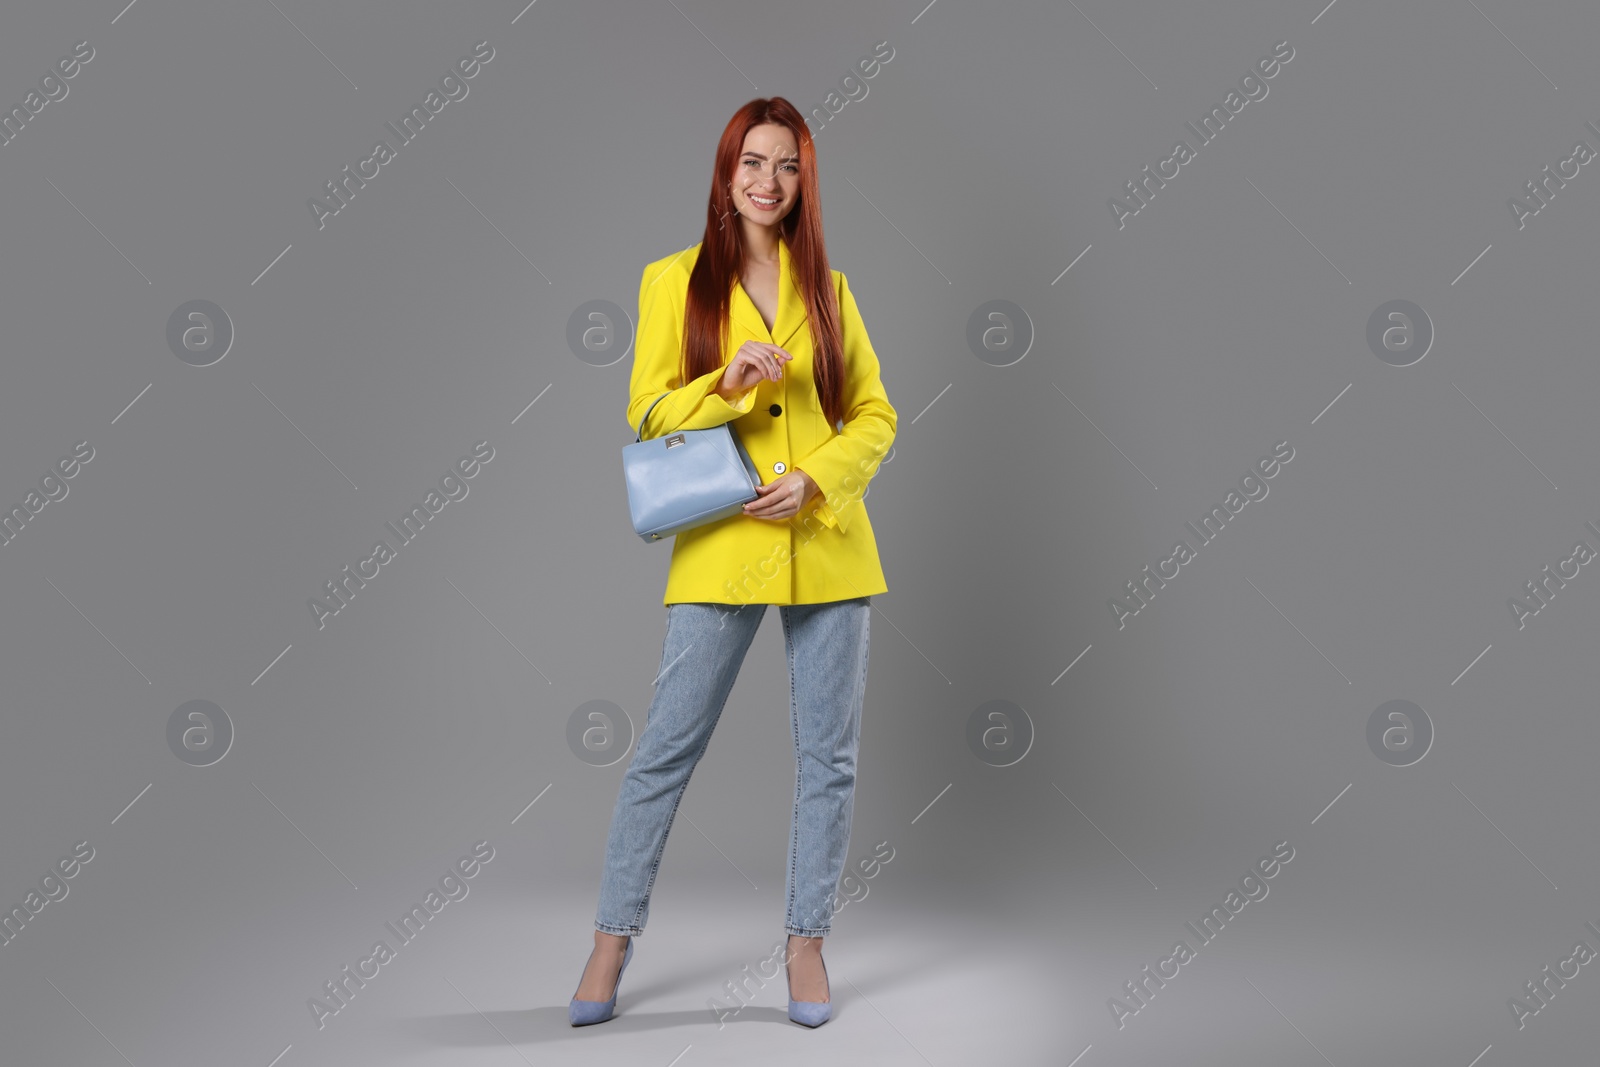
720	334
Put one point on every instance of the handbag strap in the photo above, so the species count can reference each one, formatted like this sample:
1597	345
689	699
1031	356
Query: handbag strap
640	435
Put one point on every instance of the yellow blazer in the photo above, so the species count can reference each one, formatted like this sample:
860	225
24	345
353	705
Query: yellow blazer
826	552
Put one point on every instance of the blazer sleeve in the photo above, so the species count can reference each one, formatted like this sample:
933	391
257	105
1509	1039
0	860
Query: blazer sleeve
844	463
657	351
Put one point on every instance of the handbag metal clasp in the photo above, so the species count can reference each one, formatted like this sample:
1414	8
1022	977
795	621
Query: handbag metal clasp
675	440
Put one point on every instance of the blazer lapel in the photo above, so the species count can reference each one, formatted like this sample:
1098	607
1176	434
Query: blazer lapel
791	305
743	311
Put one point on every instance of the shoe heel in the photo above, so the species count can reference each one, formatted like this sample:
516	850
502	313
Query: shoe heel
589	1012
812	1013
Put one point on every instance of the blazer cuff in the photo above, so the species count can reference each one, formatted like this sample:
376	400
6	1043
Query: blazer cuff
821	510
695	406
842	467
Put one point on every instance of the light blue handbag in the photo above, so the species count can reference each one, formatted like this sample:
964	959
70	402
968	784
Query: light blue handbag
686	478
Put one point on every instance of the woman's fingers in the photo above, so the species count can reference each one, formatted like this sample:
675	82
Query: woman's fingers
778	500
769	365
767	359
754	361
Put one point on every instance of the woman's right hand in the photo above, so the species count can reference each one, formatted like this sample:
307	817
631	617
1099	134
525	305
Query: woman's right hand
754	361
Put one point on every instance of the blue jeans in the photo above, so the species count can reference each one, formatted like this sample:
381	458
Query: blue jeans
704	649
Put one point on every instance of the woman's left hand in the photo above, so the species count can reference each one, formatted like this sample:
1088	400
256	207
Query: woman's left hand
783	498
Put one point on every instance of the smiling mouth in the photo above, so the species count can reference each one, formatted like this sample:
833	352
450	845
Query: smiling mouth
759	201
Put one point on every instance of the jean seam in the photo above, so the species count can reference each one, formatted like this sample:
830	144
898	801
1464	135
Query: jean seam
655	865
666	645
861	685
799	771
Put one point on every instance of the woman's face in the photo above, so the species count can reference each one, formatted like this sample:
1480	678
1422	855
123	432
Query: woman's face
766	179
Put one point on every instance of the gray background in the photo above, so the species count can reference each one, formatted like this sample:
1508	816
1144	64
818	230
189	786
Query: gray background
1229	715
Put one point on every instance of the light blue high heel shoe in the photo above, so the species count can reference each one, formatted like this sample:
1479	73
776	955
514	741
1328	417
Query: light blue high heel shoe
586	1012
812	1013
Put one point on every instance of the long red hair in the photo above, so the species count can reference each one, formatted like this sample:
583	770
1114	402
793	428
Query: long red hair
706	322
